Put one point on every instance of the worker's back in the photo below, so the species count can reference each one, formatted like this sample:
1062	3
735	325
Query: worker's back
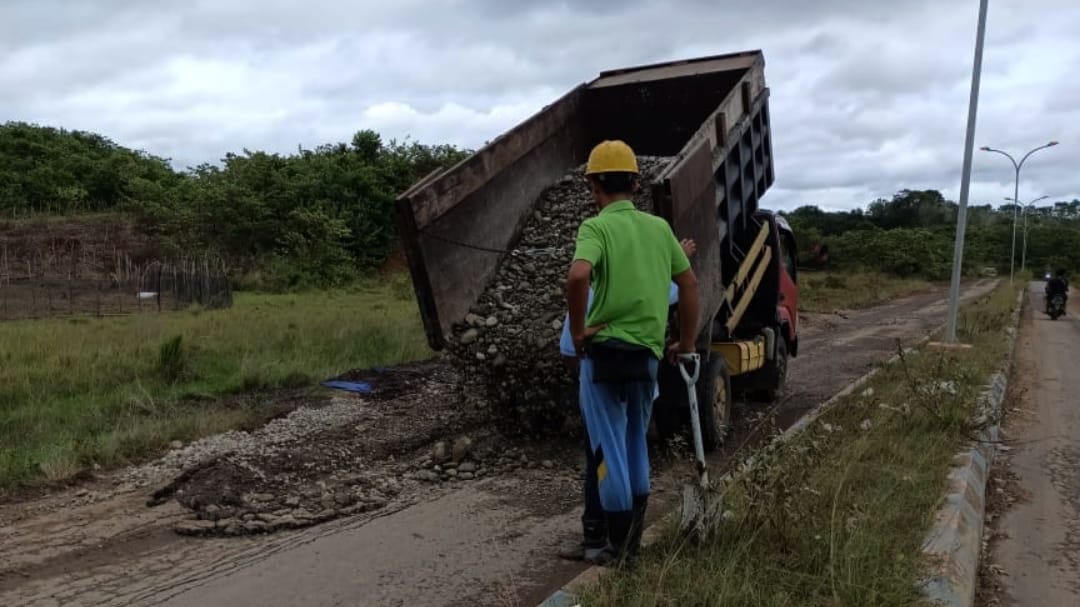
636	254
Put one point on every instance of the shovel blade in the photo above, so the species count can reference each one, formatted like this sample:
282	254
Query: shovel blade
692	512
699	515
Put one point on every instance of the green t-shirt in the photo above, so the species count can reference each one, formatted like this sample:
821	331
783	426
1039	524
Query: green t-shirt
634	255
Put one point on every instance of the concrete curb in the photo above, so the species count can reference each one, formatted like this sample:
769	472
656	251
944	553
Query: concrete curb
565	597
954	544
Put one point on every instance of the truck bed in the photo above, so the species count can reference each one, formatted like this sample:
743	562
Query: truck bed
710	113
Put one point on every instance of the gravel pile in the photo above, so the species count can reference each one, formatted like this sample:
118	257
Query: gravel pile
275	436
507	347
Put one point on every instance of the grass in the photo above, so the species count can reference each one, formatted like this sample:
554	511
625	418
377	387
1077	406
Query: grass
835	516
831	291
86	391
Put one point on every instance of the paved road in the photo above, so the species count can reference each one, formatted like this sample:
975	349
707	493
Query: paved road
1039	550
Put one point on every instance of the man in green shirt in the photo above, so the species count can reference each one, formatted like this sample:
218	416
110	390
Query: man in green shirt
628	258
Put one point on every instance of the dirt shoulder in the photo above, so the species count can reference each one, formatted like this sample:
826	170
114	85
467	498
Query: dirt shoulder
1032	535
417	534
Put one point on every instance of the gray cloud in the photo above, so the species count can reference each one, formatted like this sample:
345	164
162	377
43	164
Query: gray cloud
867	97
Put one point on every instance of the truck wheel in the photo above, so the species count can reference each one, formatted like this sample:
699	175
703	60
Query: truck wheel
714	403
777	373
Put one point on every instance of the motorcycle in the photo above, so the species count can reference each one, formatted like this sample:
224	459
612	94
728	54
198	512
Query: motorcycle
1056	307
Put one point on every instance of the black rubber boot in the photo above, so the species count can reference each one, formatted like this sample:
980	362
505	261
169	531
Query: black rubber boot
633	544
619	527
593	542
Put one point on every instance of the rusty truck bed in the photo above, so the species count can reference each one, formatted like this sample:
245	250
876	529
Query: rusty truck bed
711	113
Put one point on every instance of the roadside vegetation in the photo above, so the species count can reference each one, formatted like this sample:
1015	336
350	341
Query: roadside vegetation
826	292
86	391
912	235
837	515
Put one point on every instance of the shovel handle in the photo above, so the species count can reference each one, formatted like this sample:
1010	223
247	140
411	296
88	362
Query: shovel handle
690	359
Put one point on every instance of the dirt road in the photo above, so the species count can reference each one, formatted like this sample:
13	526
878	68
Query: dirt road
1035	526
483	541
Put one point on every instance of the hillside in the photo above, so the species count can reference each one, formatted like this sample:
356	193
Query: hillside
312	218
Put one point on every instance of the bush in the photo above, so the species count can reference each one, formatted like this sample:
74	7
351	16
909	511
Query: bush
172	360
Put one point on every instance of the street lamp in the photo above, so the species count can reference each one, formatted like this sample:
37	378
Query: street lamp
1026	207
1016	194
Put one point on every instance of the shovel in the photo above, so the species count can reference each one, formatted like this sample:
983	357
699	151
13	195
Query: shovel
696	510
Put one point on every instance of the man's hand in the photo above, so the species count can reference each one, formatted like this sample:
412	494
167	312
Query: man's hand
676	348
688	246
583	338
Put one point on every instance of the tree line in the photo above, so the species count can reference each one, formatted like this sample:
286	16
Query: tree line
913	234
316	217
324	216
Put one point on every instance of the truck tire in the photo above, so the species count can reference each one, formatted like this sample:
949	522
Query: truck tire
714	403
776	374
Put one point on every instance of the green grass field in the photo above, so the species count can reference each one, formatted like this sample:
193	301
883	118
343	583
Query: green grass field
837	515
830	291
85	391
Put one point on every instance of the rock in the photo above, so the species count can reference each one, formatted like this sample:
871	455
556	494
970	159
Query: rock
548	464
212	512
466	476
174	445
292	501
866	425
467	467
462	447
440	453
428	475
452	473
254	527
522	306
284	522
260	497
248	517
194	527
344	499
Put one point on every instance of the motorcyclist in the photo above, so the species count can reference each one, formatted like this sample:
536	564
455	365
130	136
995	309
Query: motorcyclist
1057	285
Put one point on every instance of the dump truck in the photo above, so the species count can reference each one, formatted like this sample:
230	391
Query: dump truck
711	115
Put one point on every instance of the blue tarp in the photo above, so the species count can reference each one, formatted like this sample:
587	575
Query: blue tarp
361	387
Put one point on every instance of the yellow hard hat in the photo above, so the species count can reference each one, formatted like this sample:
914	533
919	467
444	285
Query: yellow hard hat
611	157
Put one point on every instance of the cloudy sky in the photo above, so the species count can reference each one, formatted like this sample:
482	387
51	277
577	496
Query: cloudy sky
868	96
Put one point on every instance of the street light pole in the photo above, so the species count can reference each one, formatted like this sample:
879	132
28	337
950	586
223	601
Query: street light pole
965	178
1016	195
1027	207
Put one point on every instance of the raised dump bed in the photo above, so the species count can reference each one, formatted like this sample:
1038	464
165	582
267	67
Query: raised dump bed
708	119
